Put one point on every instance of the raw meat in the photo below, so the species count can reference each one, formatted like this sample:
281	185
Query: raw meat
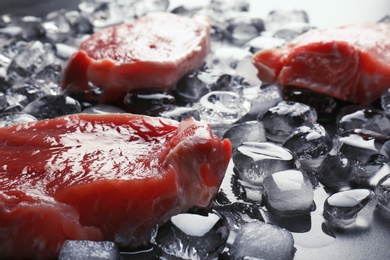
101	177
154	51
348	62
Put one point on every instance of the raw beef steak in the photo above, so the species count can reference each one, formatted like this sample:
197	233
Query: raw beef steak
101	177
349	62
153	51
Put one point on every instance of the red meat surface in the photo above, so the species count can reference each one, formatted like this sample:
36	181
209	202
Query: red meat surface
101	177
349	62
154	51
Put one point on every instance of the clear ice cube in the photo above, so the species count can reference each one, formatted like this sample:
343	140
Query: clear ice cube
198	234
279	121
249	131
336	171
342	207
263	42
227	58
222	107
7	119
310	144
181	113
255	161
278	18
196	84
103	109
52	106
289	192
258	240
382	195
353	117
31	60
290	31
244	28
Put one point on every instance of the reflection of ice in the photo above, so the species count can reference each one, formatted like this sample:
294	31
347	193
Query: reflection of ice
316	237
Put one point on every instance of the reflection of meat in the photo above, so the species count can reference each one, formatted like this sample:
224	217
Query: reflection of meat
153	51
111	177
349	62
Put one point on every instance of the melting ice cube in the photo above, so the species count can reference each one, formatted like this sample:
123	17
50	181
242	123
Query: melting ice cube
289	192
342	207
257	160
222	107
279	121
259	240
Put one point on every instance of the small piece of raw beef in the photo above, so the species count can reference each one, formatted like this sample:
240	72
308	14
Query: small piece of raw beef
101	177
153	51
349	62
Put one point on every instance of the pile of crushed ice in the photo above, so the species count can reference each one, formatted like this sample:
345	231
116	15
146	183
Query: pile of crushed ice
287	149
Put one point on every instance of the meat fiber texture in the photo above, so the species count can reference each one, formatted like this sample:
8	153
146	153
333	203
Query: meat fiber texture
350	62
153	51
101	177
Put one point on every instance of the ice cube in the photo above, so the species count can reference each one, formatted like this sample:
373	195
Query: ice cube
31	60
249	131
278	18
263	42
147	102
385	19
257	240
52	106
353	117
7	119
262	98
325	106
360	145
181	113
89	250
201	233
290	31
194	85
289	192
336	171
255	161
310	144
59	25
184	7
141	8
244	28
227	58
382	195
222	107
279	121
104	13
103	109
247	70
3	101
342	207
